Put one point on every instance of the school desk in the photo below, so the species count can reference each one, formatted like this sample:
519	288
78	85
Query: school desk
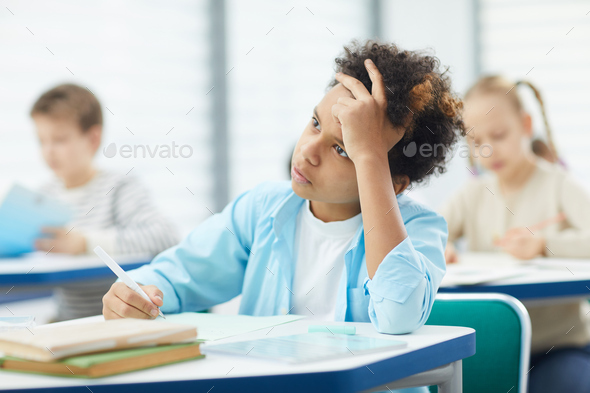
540	280
33	275
433	356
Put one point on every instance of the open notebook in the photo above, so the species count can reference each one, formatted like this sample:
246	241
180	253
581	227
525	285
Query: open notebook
480	267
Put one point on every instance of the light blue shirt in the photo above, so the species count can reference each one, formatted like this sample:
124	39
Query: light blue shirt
249	248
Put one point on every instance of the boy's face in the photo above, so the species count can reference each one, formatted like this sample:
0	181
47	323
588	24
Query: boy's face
66	149
328	175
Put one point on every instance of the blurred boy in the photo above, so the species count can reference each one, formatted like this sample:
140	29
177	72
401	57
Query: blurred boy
110	209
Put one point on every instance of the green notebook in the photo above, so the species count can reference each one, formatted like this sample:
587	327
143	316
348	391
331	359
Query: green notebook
107	363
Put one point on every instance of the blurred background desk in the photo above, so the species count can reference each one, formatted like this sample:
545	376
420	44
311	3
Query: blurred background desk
542	279
26	283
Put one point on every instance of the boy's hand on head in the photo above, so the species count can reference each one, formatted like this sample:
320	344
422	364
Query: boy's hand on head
521	243
366	128
123	302
62	241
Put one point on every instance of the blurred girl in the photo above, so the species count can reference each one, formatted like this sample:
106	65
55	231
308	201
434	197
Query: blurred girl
526	206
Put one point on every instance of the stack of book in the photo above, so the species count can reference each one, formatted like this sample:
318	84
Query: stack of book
97	349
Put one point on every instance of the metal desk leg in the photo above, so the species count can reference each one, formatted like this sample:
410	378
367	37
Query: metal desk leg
455	383
448	378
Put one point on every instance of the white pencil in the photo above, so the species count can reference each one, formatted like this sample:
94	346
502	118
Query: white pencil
114	266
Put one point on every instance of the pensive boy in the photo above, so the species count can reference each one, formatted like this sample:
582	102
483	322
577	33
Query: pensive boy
340	241
112	210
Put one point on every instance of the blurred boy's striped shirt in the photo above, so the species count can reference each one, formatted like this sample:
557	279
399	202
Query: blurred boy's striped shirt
114	211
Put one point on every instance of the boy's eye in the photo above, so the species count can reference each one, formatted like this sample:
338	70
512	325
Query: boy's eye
340	151
315	123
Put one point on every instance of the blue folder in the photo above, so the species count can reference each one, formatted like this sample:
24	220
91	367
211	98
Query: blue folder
22	215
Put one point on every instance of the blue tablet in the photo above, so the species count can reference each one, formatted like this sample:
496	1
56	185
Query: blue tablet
22	215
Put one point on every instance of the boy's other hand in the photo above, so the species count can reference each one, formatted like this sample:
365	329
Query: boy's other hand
123	302
366	128
62	241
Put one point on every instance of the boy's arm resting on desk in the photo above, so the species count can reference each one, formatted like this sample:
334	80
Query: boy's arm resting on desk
404	286
139	226
207	267
572	242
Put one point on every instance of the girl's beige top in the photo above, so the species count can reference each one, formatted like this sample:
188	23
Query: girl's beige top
480	213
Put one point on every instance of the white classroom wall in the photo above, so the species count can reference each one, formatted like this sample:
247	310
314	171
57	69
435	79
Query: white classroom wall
147	64
447	30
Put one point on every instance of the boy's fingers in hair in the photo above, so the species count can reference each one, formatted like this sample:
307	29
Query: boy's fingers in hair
346	101
378	88
336	112
356	87
134	299
155	294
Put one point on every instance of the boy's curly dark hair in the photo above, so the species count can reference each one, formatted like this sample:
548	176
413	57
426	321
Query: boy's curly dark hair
419	98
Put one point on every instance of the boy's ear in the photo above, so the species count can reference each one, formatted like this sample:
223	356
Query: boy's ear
400	183
95	135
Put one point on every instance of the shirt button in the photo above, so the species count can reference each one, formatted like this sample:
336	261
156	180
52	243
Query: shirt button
283	310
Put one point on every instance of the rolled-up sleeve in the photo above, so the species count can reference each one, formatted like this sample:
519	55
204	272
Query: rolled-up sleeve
207	267
404	286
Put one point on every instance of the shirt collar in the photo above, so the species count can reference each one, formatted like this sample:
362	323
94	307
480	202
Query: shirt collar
288	209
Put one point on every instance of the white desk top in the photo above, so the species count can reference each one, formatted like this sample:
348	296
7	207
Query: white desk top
501	269
215	366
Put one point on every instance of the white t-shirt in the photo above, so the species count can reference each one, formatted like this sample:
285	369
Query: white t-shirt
320	262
